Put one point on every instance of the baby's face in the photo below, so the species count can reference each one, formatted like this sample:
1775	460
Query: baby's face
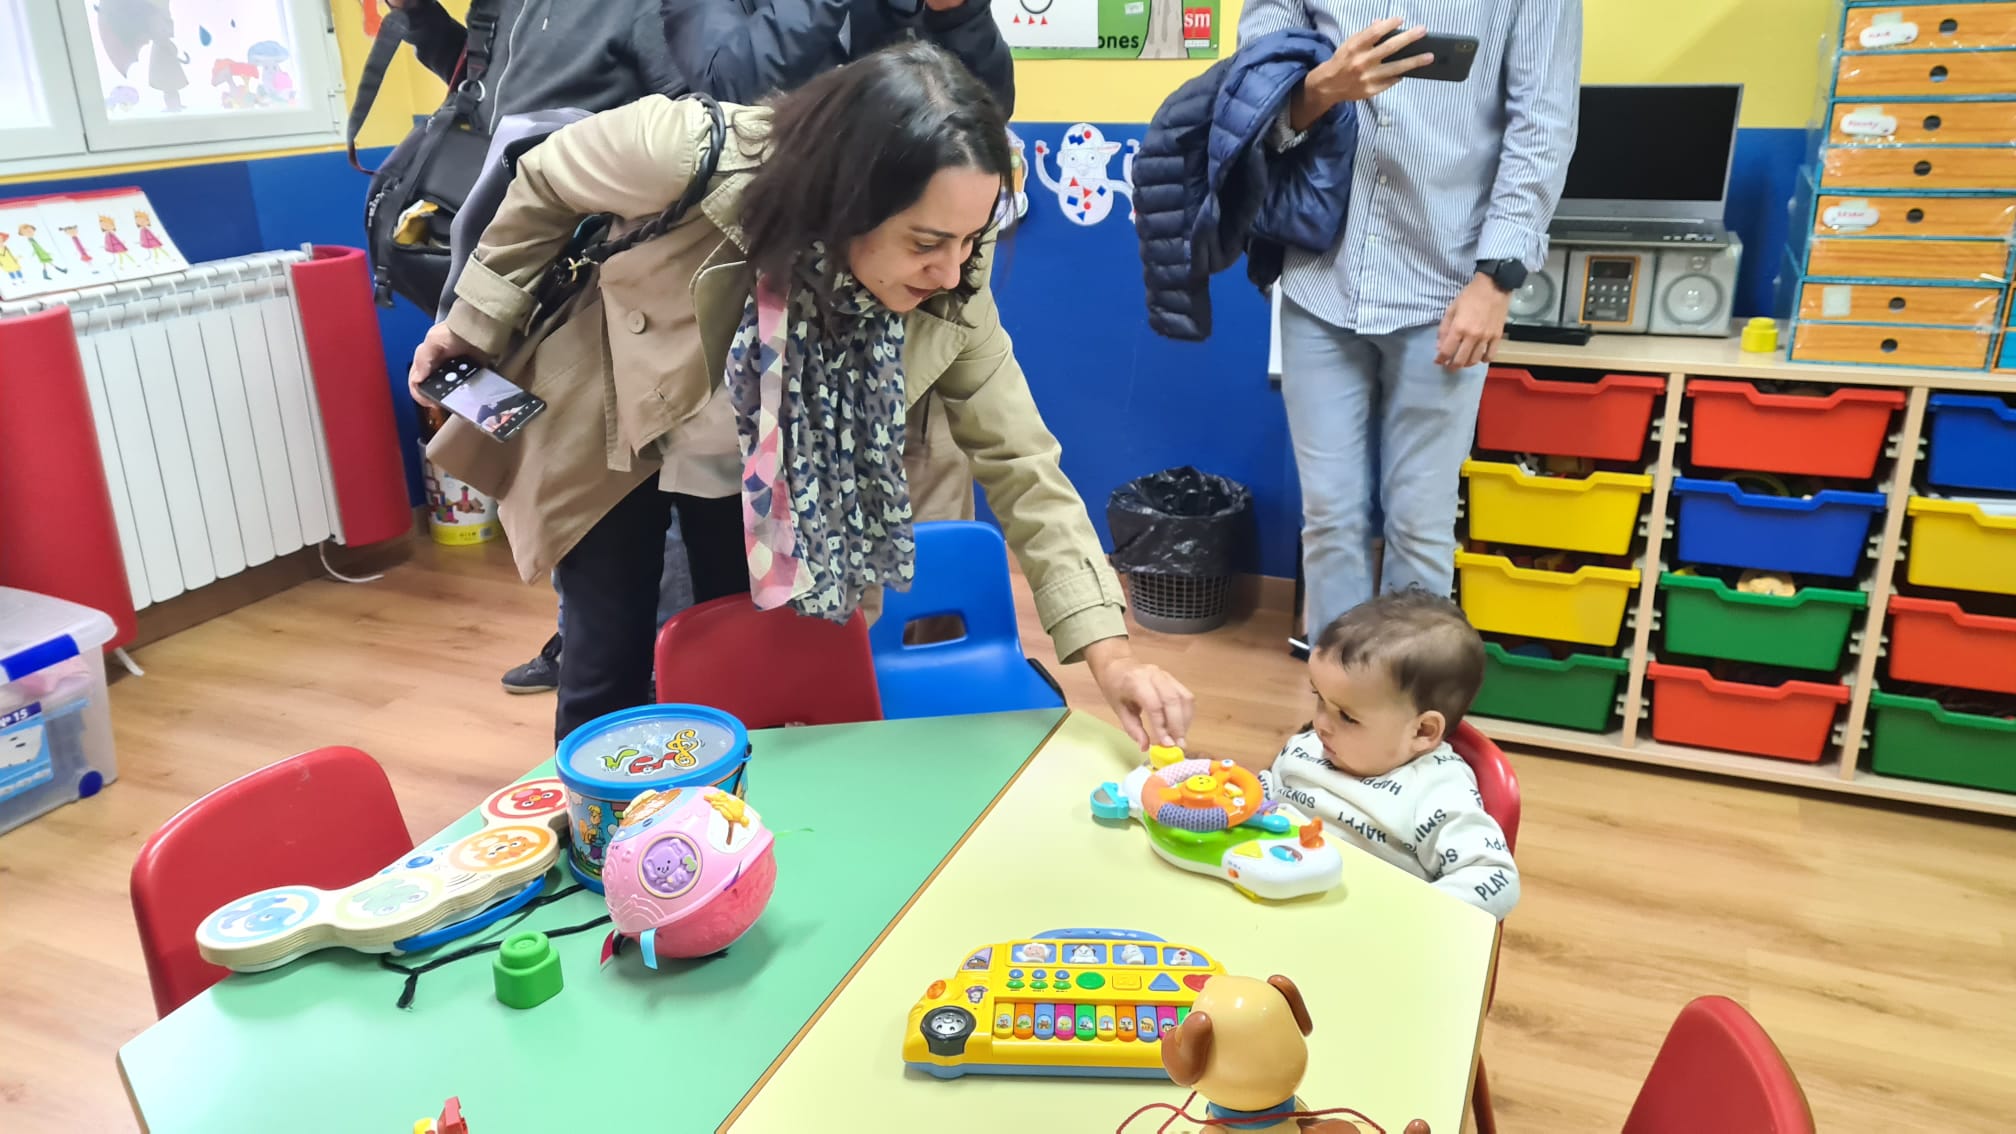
1367	726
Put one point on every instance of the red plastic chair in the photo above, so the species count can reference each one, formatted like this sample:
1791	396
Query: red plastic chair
324	818
1499	785
1719	1071
768	668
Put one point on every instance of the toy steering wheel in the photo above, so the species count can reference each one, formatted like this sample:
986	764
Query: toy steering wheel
1225	785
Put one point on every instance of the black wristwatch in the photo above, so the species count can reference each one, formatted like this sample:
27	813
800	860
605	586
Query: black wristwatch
1508	275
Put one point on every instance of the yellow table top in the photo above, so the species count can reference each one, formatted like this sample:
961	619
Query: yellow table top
1394	972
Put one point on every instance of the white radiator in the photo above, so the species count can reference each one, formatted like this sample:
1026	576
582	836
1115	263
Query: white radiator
207	423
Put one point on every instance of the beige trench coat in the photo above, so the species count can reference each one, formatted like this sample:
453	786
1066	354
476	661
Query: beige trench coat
645	351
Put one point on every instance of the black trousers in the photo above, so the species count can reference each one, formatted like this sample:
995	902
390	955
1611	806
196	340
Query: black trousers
610	581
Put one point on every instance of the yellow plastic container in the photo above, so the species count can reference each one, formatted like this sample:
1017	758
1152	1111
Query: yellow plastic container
1956	544
1586	606
1597	513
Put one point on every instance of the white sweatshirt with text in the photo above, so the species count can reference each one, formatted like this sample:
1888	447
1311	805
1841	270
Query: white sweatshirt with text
1425	817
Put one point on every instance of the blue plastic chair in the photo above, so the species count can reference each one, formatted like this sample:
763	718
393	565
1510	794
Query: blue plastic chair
962	570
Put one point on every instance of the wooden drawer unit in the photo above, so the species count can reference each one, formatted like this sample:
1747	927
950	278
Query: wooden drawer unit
1903	167
1891	346
1867	257
1940	73
1880	303
1930	27
1991	217
1924	124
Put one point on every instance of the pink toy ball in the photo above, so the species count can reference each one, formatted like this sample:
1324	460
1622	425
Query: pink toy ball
687	873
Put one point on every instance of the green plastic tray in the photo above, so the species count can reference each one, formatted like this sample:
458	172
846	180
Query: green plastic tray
1916	737
1708	619
1578	692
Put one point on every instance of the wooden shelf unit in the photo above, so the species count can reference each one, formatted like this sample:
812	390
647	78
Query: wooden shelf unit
1678	360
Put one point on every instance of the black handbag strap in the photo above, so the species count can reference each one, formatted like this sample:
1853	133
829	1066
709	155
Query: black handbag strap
587	249
464	96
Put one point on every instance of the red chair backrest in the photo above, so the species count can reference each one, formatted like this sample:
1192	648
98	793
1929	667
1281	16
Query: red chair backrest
768	668
1719	1071
325	818
1496	781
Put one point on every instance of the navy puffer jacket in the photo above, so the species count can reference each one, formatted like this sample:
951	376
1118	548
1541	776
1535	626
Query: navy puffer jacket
1208	186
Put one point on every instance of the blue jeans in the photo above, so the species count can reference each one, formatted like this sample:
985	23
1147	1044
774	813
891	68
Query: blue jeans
675	587
1374	421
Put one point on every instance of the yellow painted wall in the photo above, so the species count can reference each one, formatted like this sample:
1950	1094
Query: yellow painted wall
1771	46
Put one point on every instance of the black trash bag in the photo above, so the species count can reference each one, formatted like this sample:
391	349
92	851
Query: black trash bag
1178	522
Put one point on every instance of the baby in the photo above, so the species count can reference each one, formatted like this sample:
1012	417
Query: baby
1392	678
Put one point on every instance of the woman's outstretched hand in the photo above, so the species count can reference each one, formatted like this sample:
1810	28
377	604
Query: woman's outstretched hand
1154	708
440	345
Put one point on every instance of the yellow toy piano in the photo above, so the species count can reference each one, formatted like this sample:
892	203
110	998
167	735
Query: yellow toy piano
1068	1002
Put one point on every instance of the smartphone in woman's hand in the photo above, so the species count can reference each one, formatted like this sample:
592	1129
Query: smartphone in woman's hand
484	397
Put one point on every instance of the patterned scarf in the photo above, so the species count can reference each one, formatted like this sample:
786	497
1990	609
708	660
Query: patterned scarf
819	409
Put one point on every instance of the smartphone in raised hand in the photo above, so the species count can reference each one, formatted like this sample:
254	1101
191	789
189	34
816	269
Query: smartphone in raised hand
1454	55
482	396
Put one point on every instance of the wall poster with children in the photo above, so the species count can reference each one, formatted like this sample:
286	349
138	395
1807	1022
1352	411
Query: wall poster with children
67	243
1109	29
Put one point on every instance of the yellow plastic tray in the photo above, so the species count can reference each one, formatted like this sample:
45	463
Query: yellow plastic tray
1956	544
1596	513
1586	606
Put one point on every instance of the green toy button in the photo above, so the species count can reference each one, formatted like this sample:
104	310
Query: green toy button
527	970
1091	982
1039	985
1014	986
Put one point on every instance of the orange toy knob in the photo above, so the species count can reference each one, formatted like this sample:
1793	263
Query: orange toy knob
1312	834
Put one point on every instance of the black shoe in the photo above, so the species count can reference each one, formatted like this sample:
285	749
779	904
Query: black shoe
540	675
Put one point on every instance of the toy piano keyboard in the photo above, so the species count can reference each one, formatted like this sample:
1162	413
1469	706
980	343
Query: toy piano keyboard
1211	817
406	905
1068	1002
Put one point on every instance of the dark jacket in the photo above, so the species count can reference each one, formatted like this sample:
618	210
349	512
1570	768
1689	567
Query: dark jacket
741	50
591	55
1209	184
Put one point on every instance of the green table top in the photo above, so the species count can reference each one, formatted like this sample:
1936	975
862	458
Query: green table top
864	814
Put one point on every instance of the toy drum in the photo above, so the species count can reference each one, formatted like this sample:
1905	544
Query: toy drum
611	760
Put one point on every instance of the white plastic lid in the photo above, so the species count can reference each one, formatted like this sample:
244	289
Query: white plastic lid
30	622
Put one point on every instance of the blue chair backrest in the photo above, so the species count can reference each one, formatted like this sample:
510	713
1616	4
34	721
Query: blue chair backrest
962	569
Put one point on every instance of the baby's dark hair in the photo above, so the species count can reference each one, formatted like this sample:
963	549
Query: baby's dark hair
1423	642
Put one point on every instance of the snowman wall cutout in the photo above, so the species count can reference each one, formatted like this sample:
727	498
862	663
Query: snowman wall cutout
1083	189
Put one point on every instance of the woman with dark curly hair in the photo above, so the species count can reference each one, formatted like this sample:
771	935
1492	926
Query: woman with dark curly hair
751	363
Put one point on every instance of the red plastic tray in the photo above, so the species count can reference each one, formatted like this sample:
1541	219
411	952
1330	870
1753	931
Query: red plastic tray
1939	643
1790	721
1842	434
1605	420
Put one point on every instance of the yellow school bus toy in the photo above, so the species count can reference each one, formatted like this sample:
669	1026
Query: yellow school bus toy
1069	1002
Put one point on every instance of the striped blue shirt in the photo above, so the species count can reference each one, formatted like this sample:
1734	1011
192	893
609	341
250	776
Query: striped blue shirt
1447	174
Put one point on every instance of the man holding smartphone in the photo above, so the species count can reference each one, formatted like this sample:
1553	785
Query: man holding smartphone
1385	336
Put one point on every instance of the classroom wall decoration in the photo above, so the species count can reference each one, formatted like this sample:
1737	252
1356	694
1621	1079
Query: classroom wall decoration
68	242
1109	29
1084	190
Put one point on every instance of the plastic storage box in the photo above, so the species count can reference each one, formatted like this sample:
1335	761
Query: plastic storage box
1920	739
1935	642
1792	721
1707	618
1973	441
1824	534
1596	513
1578	691
1606	420
1957	544
1841	434
55	724
1586	605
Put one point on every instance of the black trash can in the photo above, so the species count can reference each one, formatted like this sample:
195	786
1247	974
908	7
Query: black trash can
1176	534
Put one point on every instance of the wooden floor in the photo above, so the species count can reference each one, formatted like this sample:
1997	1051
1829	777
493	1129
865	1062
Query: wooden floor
1877	945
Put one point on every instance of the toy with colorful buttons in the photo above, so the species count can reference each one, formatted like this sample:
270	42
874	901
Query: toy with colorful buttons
407	904
687	873
1072	1002
1211	817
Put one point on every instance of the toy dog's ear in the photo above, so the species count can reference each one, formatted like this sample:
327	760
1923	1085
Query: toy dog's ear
1187	1050
1287	989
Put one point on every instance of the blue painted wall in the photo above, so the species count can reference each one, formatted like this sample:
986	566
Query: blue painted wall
1123	401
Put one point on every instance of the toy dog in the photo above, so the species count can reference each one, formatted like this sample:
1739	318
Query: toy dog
1242	1049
